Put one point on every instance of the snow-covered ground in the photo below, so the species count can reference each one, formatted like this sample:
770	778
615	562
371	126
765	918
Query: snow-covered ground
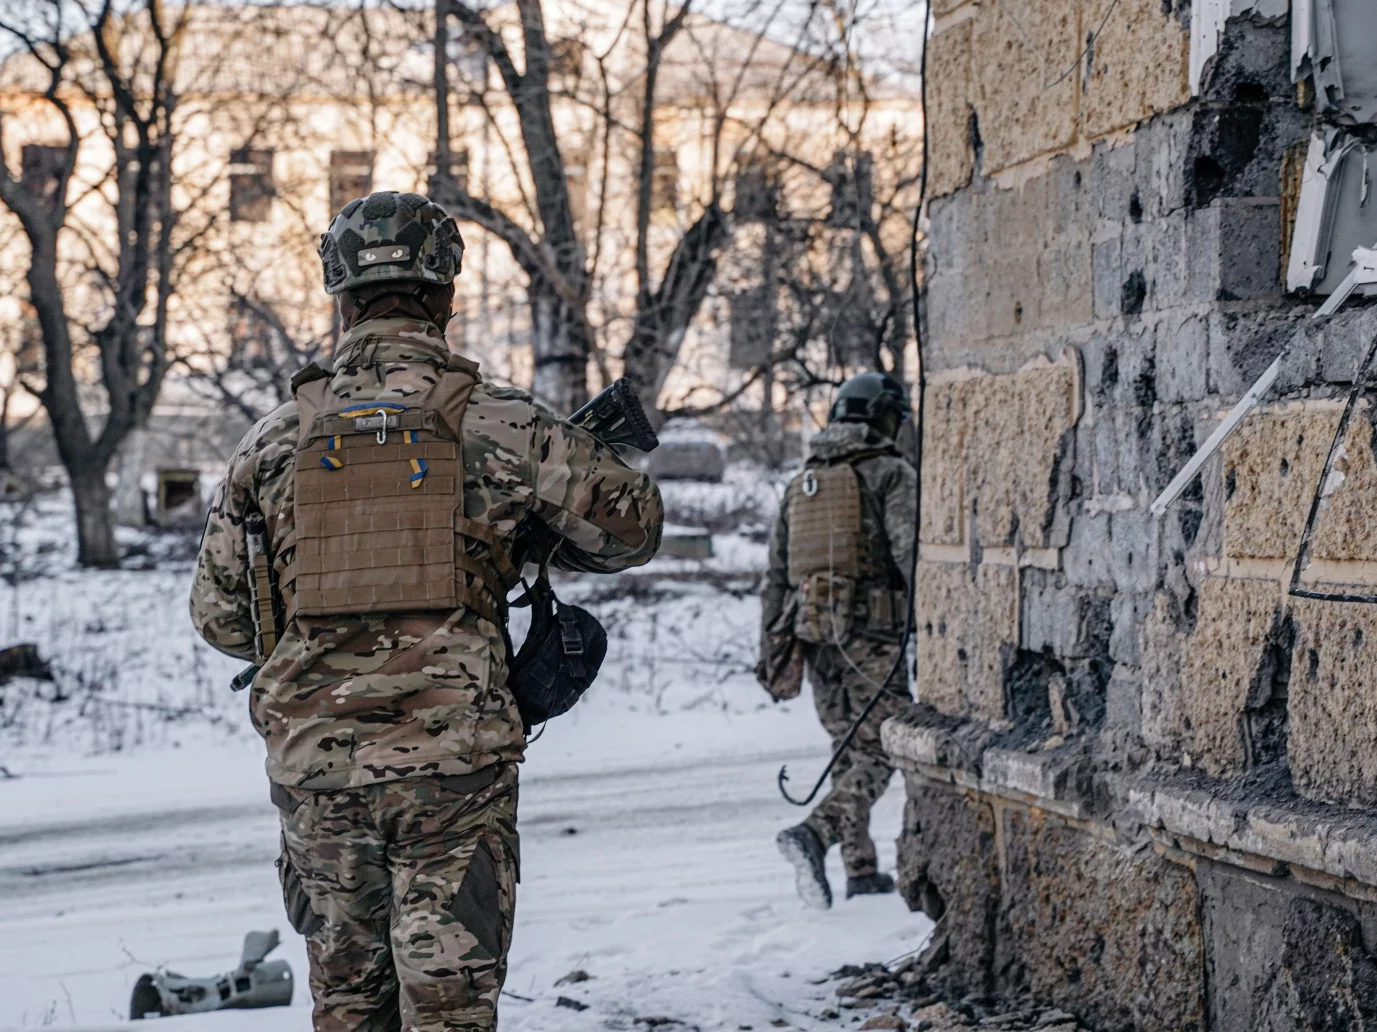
135	829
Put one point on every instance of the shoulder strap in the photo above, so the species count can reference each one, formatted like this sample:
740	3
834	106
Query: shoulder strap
311	399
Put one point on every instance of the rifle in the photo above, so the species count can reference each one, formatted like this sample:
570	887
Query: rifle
616	417
263	599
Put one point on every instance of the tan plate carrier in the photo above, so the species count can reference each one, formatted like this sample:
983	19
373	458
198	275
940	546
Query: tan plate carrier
380	524
831	558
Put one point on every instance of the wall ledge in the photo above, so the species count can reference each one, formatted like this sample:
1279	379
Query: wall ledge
1257	824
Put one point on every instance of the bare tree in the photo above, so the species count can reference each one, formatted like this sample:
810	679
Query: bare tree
574	281
108	77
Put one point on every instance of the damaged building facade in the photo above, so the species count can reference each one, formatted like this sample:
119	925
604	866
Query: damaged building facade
1142	778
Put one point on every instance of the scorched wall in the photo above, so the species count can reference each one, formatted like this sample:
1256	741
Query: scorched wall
1142	781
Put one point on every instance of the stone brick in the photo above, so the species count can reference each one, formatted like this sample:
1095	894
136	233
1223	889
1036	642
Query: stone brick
1016	445
966	625
1271	465
1333	709
951	153
1001	449
1222	659
949	868
1183	354
944	429
1107	933
1162	644
1138	67
1021	46
1108	277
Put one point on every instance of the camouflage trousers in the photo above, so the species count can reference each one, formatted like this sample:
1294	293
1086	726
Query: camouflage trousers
405	891
840	692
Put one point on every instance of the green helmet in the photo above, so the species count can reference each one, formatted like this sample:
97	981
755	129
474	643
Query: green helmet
868	398
389	236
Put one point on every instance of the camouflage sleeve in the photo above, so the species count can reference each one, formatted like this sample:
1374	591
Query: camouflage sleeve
607	515
776	590
220	599
901	514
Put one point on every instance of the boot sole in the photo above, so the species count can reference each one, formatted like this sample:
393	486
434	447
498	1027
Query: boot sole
809	881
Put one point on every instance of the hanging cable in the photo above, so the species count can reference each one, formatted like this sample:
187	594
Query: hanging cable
1336	446
921	387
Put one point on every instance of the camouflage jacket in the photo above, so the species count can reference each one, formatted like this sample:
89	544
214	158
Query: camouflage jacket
888	513
346	701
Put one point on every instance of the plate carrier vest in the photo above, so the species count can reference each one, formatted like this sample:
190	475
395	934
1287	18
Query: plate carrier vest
832	563
379	510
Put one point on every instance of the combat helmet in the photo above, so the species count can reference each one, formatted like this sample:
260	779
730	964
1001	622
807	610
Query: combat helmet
876	398
389	236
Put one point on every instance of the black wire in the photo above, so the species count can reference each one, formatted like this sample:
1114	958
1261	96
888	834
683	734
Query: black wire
1360	380
921	388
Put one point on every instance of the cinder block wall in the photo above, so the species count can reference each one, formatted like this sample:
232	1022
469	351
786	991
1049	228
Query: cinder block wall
1141	781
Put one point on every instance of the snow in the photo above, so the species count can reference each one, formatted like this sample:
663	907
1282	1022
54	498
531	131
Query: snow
135	830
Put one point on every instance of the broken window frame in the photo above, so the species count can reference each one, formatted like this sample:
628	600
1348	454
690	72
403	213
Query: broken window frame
1319	34
1311	267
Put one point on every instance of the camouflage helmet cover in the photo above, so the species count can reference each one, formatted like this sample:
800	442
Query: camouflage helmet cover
867	396
390	236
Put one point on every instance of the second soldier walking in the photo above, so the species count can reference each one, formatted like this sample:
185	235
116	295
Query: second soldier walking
835	604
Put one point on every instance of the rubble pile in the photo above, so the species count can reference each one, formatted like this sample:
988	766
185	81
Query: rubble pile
900	997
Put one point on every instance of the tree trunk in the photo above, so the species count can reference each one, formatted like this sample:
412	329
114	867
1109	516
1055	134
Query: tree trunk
559	352
95	527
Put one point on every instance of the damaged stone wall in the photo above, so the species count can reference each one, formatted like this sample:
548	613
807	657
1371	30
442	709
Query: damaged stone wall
1142	779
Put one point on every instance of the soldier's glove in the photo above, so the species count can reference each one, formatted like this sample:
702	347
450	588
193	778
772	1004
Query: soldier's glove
780	670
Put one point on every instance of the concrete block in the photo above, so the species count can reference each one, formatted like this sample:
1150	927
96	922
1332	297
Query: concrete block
1088	559
1138	65
1126	612
1170	280
1250	249
1271	466
944	463
1050	776
1123	707
1332	707
1162	647
1222	658
1051	614
1282	833
950	107
1108	278
1196	814
1112	935
1021	114
920	734
1133	534
966	626
1183	354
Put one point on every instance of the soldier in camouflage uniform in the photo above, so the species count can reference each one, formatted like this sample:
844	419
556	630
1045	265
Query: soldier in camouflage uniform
835	604
392	737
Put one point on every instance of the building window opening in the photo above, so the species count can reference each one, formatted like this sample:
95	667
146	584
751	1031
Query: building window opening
251	185
351	177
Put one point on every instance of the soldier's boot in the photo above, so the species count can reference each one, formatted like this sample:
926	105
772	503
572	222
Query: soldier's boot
877	884
801	846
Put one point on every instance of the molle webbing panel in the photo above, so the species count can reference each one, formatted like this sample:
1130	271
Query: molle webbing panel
379	507
825	528
367	541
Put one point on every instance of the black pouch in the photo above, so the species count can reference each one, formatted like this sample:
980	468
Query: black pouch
559	658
